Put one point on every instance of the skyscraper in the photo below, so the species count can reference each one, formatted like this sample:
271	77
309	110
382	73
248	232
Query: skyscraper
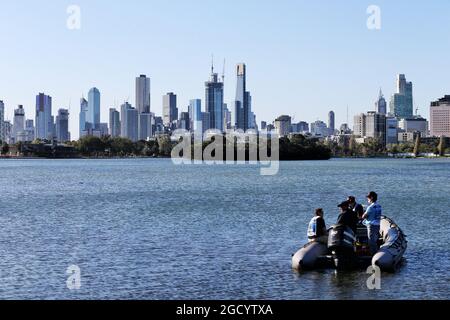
401	104
19	123
2	121
170	110
331	122
62	125
440	117
242	111
129	122
226	117
83	115
29	129
214	101
93	111
371	125
381	105
114	123
143	94
145	126
44	122
195	115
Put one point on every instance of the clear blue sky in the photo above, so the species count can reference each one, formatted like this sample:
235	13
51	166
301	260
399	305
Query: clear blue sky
304	58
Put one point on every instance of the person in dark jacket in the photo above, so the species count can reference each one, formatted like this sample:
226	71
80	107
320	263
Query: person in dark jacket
347	217
357	208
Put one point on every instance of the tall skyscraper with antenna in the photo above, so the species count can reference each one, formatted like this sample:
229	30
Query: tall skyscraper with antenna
381	105
214	101
242	106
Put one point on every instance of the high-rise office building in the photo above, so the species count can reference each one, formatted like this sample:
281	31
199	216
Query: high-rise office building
114	123
283	125
331	122
195	115
381	105
44	122
2	121
320	128
440	117
18	124
93	110
143	94
214	101
83	115
29	129
129	122
170	110
145	126
8	131
371	125
391	130
62	126
401	104
226	117
185	122
206	121
243	110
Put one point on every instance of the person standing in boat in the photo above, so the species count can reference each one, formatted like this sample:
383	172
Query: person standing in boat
355	207
347	217
317	229
372	220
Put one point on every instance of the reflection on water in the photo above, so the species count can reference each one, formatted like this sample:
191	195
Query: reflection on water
145	229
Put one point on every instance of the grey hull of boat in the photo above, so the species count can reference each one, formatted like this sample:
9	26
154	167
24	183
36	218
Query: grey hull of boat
316	255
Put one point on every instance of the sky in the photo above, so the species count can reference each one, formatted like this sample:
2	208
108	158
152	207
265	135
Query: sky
304	58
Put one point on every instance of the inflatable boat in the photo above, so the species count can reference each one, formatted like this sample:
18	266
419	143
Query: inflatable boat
347	250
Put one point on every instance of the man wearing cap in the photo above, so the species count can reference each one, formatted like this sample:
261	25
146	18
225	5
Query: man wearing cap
372	219
347	216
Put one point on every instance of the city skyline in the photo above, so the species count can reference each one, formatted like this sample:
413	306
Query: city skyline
328	62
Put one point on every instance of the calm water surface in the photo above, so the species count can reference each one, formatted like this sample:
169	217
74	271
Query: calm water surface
146	229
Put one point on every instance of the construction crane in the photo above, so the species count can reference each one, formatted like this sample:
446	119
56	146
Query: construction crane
223	73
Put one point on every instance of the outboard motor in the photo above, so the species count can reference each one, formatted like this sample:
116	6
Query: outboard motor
341	242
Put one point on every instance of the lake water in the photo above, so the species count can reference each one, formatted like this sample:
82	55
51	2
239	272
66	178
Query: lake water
146	229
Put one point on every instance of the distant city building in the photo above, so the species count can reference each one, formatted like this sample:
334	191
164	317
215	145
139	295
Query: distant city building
145	126
83	115
381	104
414	124
129	122
2	121
170	110
391	130
345	129
408	136
331	122
143	94
103	129
243	104
44	122
440	117
206	121
227	117
371	125
19	124
301	127
93	111
214	102
263	125
184	122
8	131
402	102
195	115
114	123
30	130
62	126
320	129
283	125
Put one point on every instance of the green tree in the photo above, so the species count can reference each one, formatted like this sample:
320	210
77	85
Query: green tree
4	148
441	147
417	147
